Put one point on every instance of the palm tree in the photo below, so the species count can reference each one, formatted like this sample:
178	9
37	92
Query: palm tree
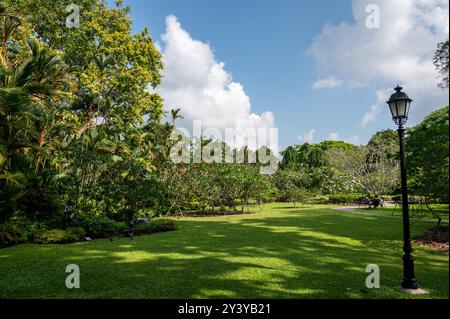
10	21
28	91
175	115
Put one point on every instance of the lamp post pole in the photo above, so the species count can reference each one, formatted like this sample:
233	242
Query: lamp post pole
409	278
399	104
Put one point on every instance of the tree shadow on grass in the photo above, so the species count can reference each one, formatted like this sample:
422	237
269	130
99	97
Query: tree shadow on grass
312	255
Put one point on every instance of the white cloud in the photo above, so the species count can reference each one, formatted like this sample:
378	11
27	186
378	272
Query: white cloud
336	137
400	51
353	140
199	84
308	137
375	109
330	82
333	137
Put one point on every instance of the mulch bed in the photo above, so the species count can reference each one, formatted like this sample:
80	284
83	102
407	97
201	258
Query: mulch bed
436	238
211	214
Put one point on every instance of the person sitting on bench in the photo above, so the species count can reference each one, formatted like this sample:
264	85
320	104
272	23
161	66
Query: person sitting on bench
366	200
376	202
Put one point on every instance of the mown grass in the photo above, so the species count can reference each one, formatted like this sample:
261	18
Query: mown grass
279	252
416	211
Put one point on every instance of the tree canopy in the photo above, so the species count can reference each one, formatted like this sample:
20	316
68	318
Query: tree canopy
441	62
428	155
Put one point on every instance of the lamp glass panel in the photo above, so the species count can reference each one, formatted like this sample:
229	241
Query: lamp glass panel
401	108
408	105
393	109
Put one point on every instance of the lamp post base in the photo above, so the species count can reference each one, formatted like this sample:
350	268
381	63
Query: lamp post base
416	292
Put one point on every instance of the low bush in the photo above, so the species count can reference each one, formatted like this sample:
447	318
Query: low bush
57	236
319	199
155	226
345	199
270	197
79	232
8	236
18	231
99	227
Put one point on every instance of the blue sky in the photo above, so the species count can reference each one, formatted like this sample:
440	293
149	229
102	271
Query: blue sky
277	50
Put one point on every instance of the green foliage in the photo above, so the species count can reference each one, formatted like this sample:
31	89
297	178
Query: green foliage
427	145
78	232
346	199
23	230
155	226
57	236
79	125
383	143
29	88
319	199
311	155
371	168
213	185
7	238
99	227
293	185
51	91
236	182
441	62
321	176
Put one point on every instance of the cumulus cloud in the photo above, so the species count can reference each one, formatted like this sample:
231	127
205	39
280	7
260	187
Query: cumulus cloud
199	84
333	137
308	137
336	137
400	51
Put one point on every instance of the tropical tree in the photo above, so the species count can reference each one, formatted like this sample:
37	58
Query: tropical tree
29	90
428	156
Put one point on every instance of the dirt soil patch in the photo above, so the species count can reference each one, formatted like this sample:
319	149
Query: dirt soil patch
436	238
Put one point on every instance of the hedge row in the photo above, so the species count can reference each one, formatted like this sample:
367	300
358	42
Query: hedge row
14	233
155	226
346	199
22	231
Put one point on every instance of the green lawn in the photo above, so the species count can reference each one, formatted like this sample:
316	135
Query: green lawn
279	252
415	212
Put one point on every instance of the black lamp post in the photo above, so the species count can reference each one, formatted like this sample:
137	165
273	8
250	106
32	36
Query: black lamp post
399	103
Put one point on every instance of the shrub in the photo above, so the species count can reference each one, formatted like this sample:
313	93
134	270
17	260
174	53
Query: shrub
8	237
41	202
270	197
345	199
319	199
99	227
283	199
22	230
77	232
156	226
56	236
